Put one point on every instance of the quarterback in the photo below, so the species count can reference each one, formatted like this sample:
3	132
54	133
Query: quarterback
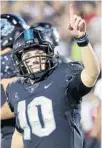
46	98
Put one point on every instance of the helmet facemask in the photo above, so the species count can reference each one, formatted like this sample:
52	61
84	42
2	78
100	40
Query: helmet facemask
35	62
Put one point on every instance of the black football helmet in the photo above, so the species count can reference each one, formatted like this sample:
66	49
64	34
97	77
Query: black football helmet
42	38
11	26
49	30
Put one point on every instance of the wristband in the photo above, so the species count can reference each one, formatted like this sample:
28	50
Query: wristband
83	41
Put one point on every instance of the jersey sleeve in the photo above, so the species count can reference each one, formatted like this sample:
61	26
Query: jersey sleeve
7	66
3	95
76	88
9	98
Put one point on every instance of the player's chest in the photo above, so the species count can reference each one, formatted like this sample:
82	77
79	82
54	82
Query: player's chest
52	88
45	93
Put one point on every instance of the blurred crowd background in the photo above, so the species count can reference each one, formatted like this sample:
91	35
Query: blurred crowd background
57	13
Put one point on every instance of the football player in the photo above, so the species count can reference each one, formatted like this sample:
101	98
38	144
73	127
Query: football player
11	26
47	100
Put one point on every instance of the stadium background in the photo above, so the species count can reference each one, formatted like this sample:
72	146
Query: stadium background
56	12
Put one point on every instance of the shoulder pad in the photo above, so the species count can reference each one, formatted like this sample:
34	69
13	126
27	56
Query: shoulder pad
75	67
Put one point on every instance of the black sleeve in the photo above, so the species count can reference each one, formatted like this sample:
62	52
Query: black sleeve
9	99
3	95
77	87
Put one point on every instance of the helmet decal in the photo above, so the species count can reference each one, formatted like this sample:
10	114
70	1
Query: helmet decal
28	35
11	26
6	27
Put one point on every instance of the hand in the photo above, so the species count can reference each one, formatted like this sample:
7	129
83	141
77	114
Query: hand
77	25
96	130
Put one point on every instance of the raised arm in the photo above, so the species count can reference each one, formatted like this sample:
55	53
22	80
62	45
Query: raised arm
77	27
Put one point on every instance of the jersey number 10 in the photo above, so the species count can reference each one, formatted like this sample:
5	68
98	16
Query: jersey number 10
36	117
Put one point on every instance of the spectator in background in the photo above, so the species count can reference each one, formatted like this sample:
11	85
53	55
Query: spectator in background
65	53
75	52
88	10
95	35
92	125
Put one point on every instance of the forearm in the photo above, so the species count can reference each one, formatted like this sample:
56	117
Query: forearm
91	66
2	52
6	81
5	112
17	141
77	27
